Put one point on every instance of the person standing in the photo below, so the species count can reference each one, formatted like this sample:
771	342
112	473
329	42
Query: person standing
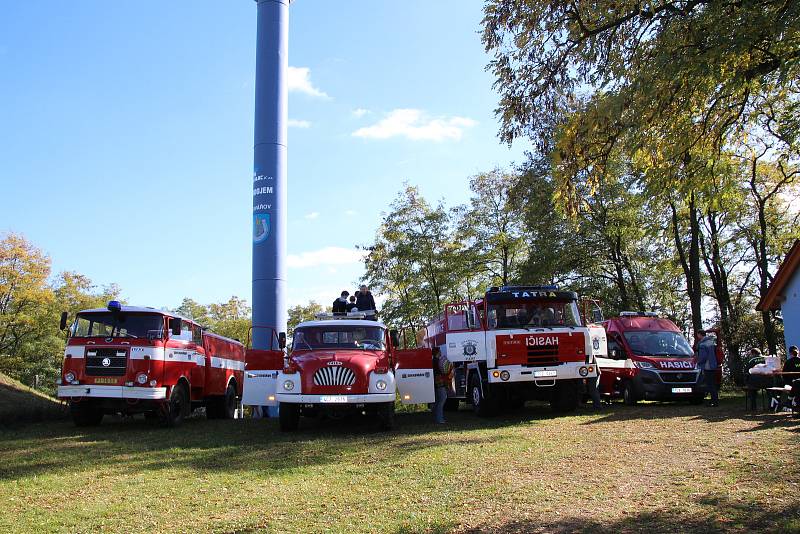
340	304
351	306
707	363
365	302
442	376
593	386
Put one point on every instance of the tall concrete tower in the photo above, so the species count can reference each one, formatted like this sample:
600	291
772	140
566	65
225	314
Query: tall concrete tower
269	172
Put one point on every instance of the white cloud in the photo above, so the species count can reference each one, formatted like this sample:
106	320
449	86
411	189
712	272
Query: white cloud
311	216
296	123
415	125
360	112
300	81
326	256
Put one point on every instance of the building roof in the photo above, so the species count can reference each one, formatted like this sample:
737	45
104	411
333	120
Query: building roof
775	297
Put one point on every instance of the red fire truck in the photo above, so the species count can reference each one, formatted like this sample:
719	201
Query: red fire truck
344	365
517	343
130	360
648	359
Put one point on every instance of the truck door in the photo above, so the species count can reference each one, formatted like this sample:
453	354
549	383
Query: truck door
261	376
613	367
413	373
198	375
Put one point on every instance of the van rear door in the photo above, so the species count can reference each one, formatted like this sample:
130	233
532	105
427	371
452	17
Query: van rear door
413	373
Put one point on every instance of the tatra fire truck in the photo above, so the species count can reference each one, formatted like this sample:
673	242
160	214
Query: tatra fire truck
132	360
517	343
649	359
345	365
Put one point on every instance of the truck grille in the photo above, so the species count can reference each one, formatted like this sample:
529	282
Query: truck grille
685	377
542	357
334	376
116	360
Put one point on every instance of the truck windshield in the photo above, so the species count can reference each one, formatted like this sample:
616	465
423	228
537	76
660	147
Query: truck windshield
659	343
107	324
338	337
533	314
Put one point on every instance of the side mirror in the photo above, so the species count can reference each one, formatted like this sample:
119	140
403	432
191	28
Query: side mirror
597	315
63	323
175	326
395	337
613	353
282	340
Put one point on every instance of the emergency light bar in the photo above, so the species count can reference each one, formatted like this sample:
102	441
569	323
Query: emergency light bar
637	314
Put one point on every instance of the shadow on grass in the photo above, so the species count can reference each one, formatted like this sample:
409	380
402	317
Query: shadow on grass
200	445
724	515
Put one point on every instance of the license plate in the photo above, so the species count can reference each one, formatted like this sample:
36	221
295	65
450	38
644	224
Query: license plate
105	380
541	374
681	390
333	398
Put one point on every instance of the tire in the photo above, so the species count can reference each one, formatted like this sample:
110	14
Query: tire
86	413
223	407
451	405
289	416
629	395
566	396
480	404
177	408
386	416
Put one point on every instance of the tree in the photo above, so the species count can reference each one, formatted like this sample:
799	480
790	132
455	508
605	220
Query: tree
493	228
670	78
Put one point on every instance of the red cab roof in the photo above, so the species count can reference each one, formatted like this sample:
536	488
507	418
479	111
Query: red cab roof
658	324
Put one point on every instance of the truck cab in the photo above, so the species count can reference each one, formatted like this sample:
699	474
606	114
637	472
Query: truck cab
135	360
344	365
648	359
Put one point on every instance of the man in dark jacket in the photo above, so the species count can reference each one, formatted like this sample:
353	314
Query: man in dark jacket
707	363
340	304
365	302
351	306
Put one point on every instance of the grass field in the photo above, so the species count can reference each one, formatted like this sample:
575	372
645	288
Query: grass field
651	468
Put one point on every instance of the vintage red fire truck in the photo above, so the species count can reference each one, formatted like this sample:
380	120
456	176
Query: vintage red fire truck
345	365
131	360
517	343
648	359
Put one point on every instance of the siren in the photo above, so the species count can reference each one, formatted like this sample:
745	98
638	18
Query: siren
114	306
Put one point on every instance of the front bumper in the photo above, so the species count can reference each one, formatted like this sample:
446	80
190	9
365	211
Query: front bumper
111	392
331	400
519	373
649	385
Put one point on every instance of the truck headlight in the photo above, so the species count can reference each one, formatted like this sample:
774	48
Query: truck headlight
583	371
69	378
288	385
141	379
505	375
644	365
380	385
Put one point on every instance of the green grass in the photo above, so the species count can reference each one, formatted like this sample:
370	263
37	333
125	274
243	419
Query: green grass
20	404
652	468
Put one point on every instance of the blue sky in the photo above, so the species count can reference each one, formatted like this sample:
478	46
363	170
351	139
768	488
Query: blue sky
126	134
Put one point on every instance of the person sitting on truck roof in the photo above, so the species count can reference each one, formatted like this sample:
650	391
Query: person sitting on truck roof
340	304
351	306
365	301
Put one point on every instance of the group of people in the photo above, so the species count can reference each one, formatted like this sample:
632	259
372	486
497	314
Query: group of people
362	301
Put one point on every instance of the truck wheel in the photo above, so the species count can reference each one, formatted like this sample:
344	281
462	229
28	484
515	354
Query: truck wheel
451	405
566	396
289	416
229	402
85	413
177	408
629	395
480	404
386	416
